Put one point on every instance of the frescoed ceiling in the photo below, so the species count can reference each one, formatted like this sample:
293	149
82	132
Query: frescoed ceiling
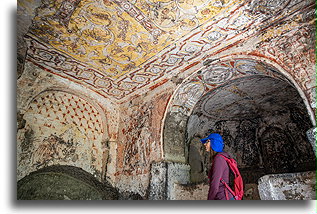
117	47
121	48
117	36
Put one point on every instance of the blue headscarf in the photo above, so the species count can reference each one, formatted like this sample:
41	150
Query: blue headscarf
216	142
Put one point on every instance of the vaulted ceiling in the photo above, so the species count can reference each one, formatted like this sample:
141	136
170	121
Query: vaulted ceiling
119	48
250	97
116	37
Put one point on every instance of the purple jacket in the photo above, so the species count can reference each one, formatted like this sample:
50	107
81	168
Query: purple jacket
219	169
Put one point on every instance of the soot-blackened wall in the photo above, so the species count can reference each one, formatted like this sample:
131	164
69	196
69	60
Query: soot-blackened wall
269	139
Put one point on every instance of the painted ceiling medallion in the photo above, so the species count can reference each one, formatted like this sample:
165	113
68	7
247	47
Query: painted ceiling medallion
217	74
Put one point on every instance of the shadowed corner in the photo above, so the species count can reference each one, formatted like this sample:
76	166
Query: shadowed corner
13	104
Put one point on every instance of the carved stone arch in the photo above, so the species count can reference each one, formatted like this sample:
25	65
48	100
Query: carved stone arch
215	74
309	102
62	127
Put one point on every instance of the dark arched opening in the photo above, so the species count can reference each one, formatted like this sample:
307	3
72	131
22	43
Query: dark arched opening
263	121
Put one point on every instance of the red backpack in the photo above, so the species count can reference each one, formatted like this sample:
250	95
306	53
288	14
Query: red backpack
238	182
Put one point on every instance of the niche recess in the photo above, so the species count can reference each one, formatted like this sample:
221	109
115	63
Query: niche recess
263	121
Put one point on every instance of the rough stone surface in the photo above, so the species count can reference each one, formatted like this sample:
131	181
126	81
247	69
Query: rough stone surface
174	137
191	191
177	173
251	192
200	191
64	183
311	135
289	186
26	10
134	185
128	195
165	176
158	183
263	122
198	160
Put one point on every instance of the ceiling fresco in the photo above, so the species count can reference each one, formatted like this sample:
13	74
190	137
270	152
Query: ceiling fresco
122	48
117	36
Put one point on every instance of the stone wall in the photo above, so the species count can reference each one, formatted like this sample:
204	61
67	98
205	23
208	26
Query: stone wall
64	183
139	139
26	11
191	192
60	123
250	133
311	135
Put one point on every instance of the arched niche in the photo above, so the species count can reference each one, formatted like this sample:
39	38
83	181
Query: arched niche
263	122
241	86
65	128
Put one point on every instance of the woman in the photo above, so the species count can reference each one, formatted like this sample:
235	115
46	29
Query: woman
219	170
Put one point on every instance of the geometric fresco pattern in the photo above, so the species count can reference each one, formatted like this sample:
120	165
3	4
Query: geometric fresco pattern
191	48
64	109
61	128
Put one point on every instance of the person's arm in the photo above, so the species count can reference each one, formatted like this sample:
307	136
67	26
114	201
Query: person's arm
216	174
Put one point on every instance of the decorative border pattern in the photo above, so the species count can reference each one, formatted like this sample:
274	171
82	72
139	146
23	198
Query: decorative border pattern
219	35
215	75
172	59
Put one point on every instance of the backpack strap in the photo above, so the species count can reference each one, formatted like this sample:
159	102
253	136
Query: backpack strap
227	195
238	186
227	188
227	159
224	183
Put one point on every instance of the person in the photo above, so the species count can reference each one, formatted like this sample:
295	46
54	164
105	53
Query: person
219	170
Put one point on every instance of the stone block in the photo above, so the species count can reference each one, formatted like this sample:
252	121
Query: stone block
288	186
158	182
164	176
174	137
177	173
191	192
251	192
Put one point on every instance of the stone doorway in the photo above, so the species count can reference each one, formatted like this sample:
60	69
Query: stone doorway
261	113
